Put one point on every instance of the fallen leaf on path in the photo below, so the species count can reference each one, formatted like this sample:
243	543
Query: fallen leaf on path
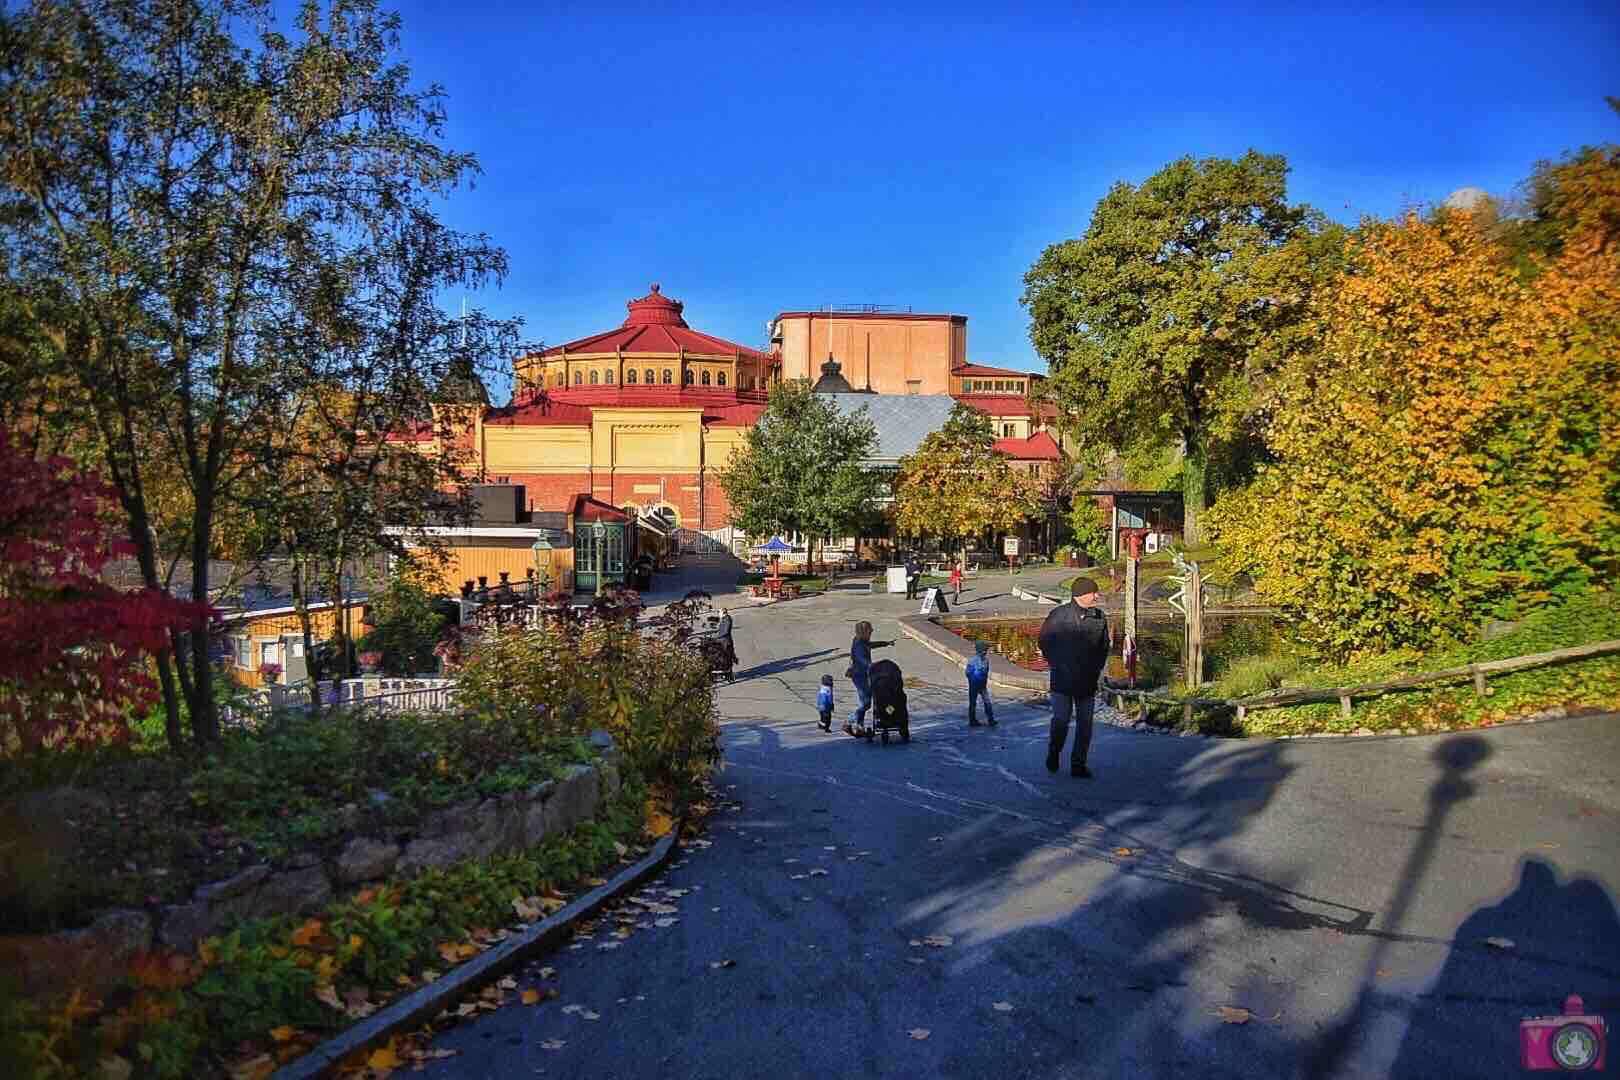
936	839
531	997
1231	1014
818	872
327	996
797	877
1003	1006
524	910
938	941
569	1010
253	1068
589	1015
620	849
1499	942
283	1033
918	1033
1123	852
466	1008
608	946
676	893
714	909
915	960
507	983
383	1058
114	1067
593	881
552	1044
722	963
785	861
547	972
665	922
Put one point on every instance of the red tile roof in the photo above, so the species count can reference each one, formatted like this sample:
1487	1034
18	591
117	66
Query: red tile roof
979	371
655	325
571	407
415	431
1038	447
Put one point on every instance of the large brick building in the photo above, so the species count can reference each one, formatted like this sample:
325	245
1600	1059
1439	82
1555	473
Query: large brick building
643	416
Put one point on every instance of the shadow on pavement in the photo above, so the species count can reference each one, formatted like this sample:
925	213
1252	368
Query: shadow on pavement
786	664
1521	957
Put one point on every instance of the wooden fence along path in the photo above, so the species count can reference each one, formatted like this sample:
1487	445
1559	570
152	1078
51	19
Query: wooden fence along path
1344	695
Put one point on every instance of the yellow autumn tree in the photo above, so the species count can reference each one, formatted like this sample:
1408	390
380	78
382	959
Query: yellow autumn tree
1451	452
957	485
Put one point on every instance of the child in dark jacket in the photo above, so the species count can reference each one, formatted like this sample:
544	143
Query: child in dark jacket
824	702
978	680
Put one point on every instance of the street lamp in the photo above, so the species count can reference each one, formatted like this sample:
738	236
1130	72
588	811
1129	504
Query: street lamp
601	555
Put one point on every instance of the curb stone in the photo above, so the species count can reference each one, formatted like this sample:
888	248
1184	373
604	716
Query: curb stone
428	1001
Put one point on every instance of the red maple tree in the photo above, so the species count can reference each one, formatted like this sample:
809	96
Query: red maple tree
74	651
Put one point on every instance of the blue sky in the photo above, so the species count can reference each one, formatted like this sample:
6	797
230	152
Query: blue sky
755	159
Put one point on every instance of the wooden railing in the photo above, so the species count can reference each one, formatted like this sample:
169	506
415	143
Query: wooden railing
1346	695
439	697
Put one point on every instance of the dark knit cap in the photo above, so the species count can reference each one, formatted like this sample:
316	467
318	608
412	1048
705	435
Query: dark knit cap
1082	586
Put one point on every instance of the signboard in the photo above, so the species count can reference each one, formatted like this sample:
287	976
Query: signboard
933	599
897	579
1010	546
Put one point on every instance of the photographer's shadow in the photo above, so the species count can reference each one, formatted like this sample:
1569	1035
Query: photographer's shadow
1520	957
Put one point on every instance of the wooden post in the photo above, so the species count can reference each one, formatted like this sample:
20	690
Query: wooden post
1132	572
1186	713
1193	653
1479	681
1344	706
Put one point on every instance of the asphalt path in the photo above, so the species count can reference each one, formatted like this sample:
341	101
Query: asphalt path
1373	906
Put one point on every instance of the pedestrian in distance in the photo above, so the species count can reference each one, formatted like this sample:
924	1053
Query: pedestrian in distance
978	680
860	675
956	581
913	576
824	702
1075	641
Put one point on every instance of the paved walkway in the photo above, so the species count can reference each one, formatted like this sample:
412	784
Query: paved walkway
1381	906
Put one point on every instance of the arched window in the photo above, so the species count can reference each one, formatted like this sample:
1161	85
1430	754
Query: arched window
667	376
607	376
705	378
630	375
650	379
686	377
720	379
559	378
593	376
579	378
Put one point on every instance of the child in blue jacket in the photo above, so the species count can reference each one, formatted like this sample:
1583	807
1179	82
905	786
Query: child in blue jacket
824	702
978	680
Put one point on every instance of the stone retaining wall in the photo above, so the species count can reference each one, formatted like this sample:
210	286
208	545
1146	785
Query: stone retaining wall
96	957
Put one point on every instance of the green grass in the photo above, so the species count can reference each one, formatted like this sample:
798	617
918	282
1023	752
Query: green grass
1592	684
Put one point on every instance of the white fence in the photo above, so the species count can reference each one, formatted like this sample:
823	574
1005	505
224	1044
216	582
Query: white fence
367	692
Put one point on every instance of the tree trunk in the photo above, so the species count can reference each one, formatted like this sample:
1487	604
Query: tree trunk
1194	477
204	717
306	626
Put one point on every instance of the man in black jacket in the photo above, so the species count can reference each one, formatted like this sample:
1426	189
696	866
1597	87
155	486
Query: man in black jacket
1075	641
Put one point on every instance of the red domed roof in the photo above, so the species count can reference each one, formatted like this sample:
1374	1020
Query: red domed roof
654	309
655	325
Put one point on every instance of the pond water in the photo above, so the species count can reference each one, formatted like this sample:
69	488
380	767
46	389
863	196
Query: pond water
1158	643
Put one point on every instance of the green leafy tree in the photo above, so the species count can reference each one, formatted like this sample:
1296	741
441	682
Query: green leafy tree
1089	523
803	469
191	196
1161	323
405	623
957	484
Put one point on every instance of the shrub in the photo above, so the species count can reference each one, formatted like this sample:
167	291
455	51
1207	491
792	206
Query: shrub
1089	523
651	691
1254	675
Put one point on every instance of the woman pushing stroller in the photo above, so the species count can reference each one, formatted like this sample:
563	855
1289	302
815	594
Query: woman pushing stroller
860	674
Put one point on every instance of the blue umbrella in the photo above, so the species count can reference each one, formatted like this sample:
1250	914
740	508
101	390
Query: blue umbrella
774	546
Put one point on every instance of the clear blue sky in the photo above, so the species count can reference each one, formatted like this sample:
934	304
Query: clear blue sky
784	159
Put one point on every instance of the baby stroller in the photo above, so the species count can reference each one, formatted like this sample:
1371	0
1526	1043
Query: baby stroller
889	702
